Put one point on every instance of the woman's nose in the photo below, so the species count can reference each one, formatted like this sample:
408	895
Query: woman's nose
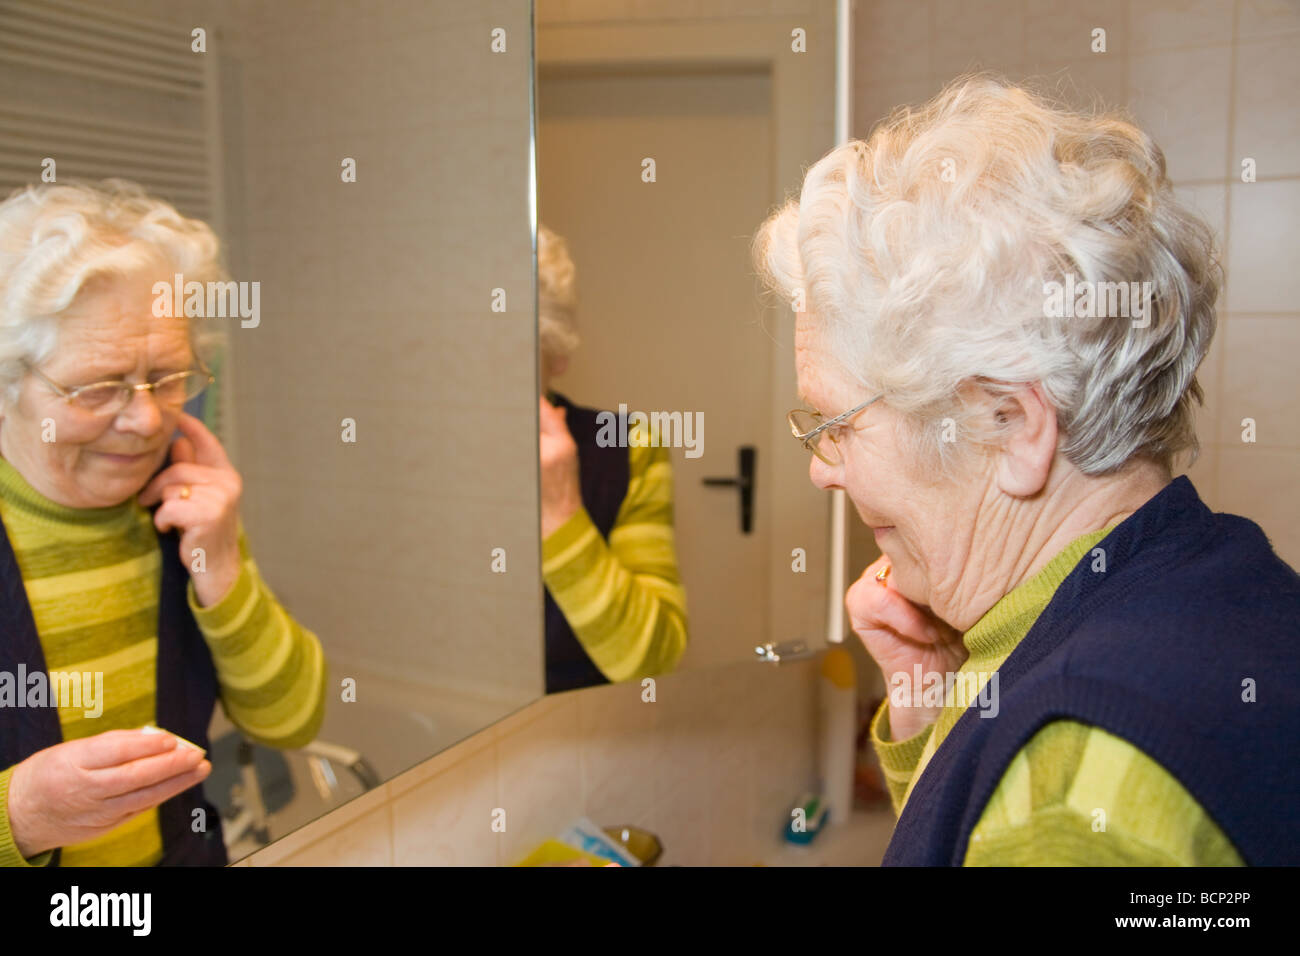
141	413
824	476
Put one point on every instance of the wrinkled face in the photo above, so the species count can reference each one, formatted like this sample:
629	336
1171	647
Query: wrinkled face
923	524
108	334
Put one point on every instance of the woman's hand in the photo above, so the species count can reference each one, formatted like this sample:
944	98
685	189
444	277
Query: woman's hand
81	789
561	493
207	514
899	635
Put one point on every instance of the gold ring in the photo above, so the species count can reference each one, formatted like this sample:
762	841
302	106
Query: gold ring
882	574
185	491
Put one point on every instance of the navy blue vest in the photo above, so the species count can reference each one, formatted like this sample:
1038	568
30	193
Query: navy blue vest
1158	649
603	475
186	693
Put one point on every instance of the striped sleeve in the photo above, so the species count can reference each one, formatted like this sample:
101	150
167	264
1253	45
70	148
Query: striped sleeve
1076	795
9	852
271	669
623	597
898	759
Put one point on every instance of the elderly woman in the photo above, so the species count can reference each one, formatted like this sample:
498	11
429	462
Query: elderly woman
1085	664
615	608
122	565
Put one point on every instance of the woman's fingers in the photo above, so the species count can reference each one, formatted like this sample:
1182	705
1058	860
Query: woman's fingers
205	445
177	474
183	451
129	804
146	772
552	419
872	604
203	506
115	747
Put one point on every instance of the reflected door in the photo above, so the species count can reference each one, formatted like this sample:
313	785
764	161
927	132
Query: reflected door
667	303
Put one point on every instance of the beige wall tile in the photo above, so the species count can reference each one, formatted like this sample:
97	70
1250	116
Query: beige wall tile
1259	380
731	799
1263	234
1165	24
447	820
978	33
892	41
1267	123
624	747
1210	201
539	781
1162	85
364	841
1266	18
334	825
1062	29
1260	484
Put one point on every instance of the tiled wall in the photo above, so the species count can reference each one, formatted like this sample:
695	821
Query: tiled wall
1214	82
711	767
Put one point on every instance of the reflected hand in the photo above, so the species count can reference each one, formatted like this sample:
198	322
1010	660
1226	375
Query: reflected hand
81	789
561	492
899	635
200	493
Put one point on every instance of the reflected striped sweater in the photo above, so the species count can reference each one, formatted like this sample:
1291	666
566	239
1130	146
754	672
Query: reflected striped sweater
1044	810
92	578
623	597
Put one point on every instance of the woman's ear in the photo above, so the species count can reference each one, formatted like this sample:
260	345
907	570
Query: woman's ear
1027	423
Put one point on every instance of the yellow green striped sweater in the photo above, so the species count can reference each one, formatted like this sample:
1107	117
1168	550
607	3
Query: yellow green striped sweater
92	578
623	598
1043	812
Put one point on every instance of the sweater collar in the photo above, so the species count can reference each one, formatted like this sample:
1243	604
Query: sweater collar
995	635
18	493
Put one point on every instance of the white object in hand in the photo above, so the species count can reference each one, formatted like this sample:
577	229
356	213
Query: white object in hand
151	729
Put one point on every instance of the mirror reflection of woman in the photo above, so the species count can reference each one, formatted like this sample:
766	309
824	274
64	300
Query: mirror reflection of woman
615	608
122	552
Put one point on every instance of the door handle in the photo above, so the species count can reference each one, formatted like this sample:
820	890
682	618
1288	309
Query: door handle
744	482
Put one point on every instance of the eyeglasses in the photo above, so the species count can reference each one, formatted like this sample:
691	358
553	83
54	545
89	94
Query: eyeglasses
109	398
813	431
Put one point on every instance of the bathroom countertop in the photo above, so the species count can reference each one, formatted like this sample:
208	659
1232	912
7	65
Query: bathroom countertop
860	842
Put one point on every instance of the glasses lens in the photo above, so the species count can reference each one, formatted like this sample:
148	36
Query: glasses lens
826	449
823	446
179	389
102	398
802	422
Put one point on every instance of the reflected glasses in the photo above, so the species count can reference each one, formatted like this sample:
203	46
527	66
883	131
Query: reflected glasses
814	432
109	398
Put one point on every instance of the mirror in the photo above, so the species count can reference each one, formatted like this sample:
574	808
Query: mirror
679	527
369	178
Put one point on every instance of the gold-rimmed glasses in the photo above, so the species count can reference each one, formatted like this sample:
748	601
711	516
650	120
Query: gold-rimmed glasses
109	398
814	431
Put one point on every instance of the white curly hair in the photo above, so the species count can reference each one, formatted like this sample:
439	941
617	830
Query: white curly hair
557	298
56	238
924	254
